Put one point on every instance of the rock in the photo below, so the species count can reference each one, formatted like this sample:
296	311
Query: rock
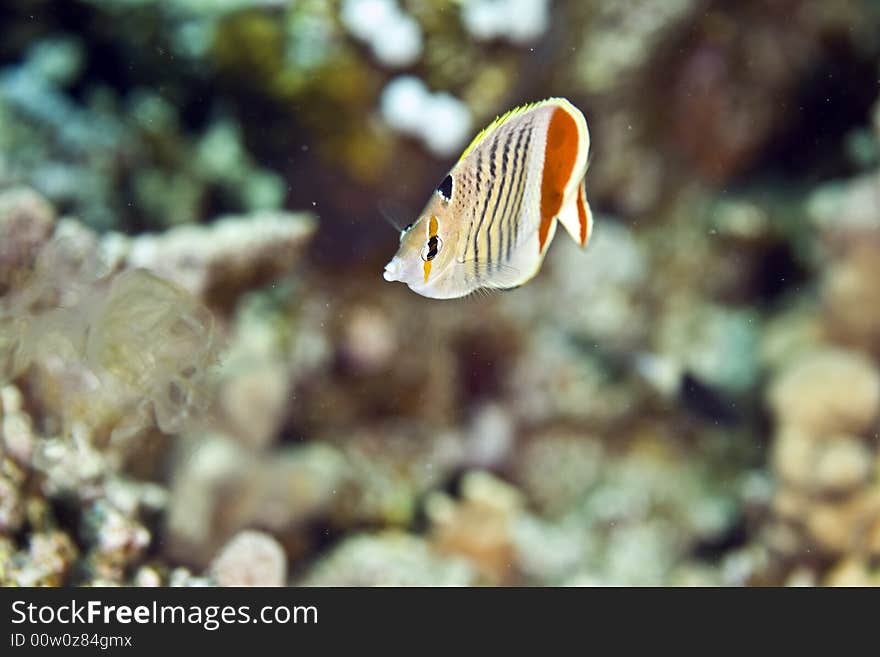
826	392
250	558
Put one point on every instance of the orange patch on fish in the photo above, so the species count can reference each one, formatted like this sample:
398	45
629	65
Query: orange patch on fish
582	214
560	154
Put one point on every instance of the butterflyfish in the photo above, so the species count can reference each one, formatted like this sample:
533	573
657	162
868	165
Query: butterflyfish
490	221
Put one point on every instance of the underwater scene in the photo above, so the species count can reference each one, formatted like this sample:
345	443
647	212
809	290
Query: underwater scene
439	292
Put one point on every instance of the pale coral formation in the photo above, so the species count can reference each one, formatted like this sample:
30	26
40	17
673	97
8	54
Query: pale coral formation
234	254
26	222
389	559
480	527
825	451
250	558
827	391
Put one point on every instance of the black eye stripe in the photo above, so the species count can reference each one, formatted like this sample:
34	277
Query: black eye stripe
433	248
445	188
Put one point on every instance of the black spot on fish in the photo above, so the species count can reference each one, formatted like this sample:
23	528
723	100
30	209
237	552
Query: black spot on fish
445	188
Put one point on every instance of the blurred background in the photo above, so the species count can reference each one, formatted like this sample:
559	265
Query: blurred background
206	380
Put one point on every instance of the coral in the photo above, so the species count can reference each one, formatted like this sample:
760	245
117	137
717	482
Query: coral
254	381
852	572
203	385
250	559
26	222
394	37
388	559
440	120
555	377
479	527
597	298
717	345
12	512
123	353
519	21
850	298
119	541
827	391
47	561
16	429
827	403
217	263
82	153
221	488
557	468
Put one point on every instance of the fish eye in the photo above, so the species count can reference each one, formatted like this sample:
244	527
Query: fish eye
445	188
432	248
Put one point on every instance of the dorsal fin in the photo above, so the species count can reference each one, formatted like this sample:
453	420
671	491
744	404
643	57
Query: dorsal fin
503	118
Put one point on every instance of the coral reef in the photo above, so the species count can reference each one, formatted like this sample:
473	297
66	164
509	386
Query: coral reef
204	380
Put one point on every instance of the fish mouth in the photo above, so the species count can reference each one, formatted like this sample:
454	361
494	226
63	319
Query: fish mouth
390	273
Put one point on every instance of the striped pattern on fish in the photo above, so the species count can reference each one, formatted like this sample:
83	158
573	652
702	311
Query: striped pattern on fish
489	223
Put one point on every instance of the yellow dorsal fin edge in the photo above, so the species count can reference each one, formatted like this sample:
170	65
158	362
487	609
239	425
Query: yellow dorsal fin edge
503	118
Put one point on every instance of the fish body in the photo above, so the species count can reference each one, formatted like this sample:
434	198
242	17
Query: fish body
490	221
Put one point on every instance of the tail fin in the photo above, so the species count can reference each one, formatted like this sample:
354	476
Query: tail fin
577	217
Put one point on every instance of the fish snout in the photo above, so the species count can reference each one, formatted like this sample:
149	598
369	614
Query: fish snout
391	270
